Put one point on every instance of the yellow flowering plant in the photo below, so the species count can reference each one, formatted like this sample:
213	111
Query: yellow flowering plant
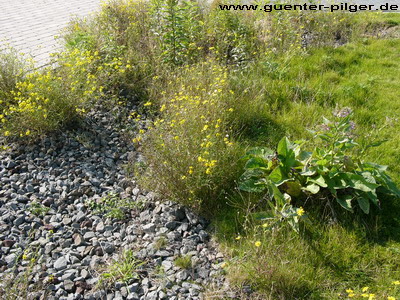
50	99
191	136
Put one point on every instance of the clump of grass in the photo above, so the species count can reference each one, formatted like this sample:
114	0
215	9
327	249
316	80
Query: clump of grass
126	269
184	262
113	206
160	243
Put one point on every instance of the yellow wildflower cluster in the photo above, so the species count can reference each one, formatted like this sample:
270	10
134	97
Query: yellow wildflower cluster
177	123
190	134
47	98
364	294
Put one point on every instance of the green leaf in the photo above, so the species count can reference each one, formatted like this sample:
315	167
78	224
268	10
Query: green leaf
308	172
364	204
283	147
345	202
289	161
326	121
278	176
312	188
373	197
275	193
252	180
252	185
318	180
390	185
256	162
258	152
358	182
339	181
375	167
303	156
263	215
293	188
322	162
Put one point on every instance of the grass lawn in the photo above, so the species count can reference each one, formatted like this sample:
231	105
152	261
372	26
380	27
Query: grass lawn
360	255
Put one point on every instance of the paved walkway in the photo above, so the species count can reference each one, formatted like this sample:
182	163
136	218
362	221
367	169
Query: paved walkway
30	25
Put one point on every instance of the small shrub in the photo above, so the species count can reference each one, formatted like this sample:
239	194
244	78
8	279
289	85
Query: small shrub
19	285
190	156
51	99
334	171
12	70
179	29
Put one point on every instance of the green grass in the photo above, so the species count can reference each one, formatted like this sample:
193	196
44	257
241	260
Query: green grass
124	269
289	95
319	263
184	262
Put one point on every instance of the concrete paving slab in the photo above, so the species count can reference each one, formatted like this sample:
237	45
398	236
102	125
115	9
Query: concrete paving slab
31	25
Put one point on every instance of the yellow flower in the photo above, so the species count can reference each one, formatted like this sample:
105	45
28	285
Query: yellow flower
349	291
300	211
183	177
24	257
238	237
7	133
257	244
208	171
371	296
397	282
365	288
265	225
364	295
205	127
391	298
351	295
147	103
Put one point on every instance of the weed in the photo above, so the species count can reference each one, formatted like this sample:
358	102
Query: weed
21	285
160	243
125	269
13	67
112	206
38	209
184	262
195	157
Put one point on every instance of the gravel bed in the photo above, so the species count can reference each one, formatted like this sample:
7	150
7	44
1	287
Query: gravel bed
50	232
